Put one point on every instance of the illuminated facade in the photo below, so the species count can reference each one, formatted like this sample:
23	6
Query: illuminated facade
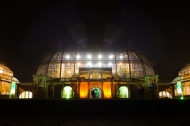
7	82
179	88
182	86
95	72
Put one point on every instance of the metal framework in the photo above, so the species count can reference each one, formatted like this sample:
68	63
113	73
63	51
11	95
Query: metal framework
66	62
109	69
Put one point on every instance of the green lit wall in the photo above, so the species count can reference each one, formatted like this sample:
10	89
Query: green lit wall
123	92
66	92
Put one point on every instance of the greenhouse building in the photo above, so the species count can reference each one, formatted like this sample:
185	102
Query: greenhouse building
7	83
95	71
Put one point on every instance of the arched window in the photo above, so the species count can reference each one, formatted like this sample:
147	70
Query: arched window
25	94
164	94
123	92
67	92
95	92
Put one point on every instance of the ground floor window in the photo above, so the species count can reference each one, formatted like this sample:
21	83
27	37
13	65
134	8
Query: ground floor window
164	94
67	92
123	92
25	94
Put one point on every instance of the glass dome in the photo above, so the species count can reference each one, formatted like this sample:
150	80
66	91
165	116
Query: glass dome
184	71
69	60
5	72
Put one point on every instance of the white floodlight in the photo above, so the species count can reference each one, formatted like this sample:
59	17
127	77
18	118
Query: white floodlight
78	56
111	56
67	56
1	71
88	56
100	56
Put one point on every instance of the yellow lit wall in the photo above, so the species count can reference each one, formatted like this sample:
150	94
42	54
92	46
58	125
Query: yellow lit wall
107	90
95	84
186	88
5	88
83	90
0	86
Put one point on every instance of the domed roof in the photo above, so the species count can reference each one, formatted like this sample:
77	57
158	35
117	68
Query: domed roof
184	71
186	67
5	72
116	59
3	67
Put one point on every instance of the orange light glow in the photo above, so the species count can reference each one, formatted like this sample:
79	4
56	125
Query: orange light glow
107	90
84	90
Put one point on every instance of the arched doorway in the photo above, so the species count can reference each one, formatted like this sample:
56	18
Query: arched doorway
67	92
25	94
95	92
164	94
123	92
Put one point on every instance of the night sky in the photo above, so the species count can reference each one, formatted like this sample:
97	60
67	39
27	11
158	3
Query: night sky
29	29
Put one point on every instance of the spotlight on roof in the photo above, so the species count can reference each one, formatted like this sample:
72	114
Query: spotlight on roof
1	70
89	56
67	56
100	56
111	56
78	56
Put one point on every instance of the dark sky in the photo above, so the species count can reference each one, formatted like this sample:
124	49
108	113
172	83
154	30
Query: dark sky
161	30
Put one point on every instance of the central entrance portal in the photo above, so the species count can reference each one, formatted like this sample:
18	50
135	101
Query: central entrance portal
95	92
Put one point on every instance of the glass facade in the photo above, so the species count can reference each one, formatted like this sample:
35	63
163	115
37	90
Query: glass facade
7	81
66	62
5	88
184	79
